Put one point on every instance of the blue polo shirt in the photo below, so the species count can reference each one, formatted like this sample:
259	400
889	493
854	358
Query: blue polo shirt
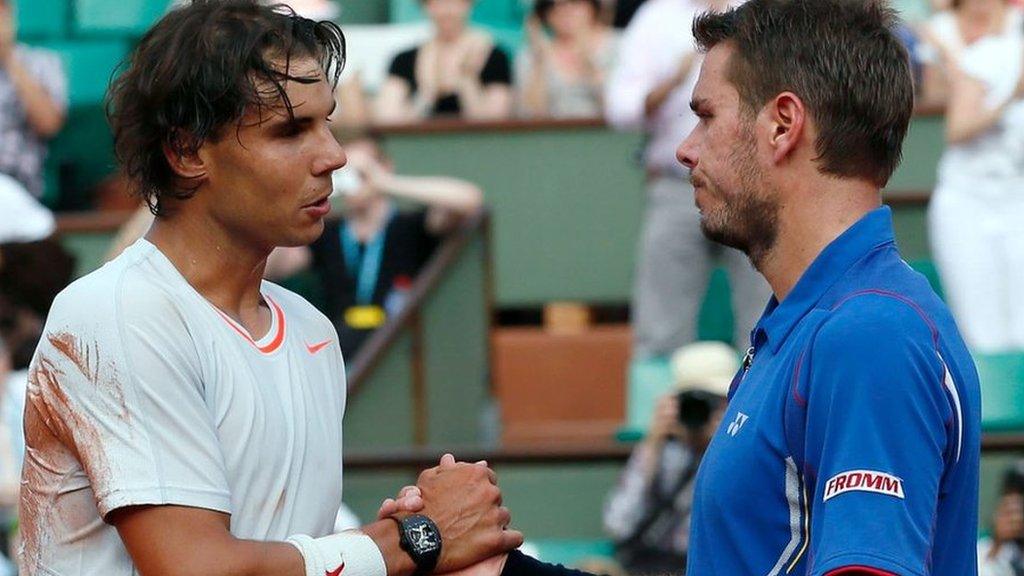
852	438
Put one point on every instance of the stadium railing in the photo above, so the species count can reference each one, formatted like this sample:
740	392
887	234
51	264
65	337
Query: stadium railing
427	369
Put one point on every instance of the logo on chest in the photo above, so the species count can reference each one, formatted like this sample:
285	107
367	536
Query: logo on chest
735	425
863	481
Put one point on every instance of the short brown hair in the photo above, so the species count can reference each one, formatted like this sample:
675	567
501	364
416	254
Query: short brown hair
198	71
841	57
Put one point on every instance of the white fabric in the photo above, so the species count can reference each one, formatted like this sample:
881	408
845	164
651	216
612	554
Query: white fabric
22	217
976	211
12	411
346	519
1002	564
650	52
349	552
997	62
150	396
943	27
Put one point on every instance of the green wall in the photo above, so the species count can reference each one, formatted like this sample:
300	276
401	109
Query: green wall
568	203
567	206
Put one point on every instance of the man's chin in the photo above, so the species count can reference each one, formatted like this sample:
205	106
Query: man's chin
719	235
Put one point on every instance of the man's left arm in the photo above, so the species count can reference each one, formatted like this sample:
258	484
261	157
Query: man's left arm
876	440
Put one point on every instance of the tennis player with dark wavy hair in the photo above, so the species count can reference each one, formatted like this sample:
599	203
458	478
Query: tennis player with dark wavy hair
184	417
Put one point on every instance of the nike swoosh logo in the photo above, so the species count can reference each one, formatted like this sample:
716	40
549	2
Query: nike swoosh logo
313	349
336	571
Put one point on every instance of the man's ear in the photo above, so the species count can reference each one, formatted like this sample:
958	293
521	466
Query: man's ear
788	118
184	156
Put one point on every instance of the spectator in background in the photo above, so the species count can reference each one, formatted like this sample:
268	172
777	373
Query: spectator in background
650	88
563	77
367	259
458	73
1002	552
648	513
33	104
977	207
947	34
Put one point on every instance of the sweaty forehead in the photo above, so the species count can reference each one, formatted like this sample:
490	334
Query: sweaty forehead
307	82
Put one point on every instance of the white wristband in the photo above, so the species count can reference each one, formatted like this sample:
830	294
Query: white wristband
353	553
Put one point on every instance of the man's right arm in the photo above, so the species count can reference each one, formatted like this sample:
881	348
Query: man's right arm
183	541
462	499
178	540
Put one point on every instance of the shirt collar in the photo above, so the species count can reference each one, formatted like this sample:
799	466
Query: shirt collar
874	229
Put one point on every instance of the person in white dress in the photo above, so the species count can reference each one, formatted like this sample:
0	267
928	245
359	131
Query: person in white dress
976	210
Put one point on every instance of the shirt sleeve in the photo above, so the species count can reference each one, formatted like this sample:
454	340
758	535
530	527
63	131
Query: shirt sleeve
519	564
403	66
120	379
628	502
497	69
876	438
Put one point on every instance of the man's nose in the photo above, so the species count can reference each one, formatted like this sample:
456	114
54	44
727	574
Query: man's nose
333	158
686	154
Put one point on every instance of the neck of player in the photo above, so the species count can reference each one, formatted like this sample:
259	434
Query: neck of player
224	267
813	213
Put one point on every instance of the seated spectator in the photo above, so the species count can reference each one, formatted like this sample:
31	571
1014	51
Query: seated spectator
458	73
648	513
1002	553
33	104
367	259
563	77
946	35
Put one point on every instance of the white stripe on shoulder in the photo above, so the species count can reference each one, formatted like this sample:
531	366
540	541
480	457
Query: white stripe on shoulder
947	381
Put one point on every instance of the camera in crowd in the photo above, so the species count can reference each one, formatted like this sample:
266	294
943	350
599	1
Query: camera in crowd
696	407
703	372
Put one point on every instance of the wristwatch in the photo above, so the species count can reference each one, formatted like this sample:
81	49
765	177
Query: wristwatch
420	538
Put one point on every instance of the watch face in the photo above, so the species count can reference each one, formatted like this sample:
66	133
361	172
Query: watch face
422	535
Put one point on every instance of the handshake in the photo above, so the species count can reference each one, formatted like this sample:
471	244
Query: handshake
464	503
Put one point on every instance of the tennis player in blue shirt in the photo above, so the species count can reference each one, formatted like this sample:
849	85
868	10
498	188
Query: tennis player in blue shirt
851	442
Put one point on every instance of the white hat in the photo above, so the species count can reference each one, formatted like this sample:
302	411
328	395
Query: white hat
25	219
708	366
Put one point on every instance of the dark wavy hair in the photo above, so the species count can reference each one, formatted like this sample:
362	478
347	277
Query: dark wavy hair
197	72
841	57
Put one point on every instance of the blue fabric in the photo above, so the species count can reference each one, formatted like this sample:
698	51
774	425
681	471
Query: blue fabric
853	439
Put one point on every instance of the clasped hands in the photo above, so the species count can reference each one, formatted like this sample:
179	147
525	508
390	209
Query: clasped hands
465	503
